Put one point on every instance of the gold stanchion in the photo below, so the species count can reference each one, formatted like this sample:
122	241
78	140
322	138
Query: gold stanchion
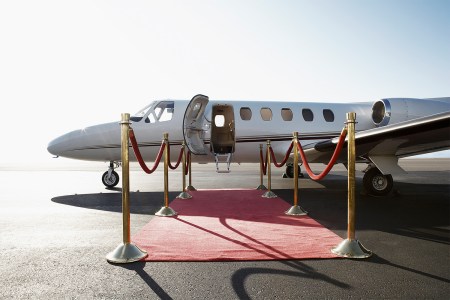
296	210
184	194
351	247
261	172
166	211
126	252
269	193
190	187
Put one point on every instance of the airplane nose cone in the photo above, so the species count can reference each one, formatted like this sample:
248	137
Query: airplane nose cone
53	147
62	144
98	142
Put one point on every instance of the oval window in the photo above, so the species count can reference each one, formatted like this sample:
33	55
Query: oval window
328	115
246	113
286	114
266	114
307	114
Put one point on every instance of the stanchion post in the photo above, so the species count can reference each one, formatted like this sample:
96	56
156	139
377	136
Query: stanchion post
166	211
190	187
295	210
269	193
184	194
261	171
351	247
125	252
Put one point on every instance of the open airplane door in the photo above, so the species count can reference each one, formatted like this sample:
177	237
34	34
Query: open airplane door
192	125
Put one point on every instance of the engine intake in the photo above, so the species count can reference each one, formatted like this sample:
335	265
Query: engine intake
381	112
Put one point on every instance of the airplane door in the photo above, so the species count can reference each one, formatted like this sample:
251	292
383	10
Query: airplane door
192	125
222	131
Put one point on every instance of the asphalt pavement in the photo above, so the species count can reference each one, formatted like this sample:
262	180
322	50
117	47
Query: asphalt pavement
57	224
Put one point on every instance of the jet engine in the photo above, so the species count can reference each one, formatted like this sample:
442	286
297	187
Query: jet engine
394	110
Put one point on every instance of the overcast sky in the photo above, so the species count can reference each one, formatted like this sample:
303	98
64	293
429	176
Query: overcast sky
69	64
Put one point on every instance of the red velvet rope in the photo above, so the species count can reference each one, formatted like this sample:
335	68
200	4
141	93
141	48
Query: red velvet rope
332	161
279	165
179	158
264	163
139	156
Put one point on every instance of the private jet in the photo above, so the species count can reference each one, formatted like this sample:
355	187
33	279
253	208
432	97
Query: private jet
224	131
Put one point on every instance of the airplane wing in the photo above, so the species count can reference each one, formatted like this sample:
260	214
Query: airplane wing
383	146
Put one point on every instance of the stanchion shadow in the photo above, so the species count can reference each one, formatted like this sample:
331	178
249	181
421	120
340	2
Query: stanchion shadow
299	270
223	221
375	259
240	243
138	267
145	203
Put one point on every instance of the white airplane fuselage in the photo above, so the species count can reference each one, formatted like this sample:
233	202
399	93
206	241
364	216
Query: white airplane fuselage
314	122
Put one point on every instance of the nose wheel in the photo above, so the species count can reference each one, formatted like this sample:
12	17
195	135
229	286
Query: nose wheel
110	178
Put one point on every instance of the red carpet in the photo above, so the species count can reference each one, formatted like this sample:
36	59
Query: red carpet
230	225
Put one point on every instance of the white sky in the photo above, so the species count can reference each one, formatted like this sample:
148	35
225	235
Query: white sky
69	64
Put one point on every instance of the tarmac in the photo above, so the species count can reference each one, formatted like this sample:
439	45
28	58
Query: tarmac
57	224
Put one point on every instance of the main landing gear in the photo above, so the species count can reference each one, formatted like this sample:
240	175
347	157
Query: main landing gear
375	183
290	171
110	178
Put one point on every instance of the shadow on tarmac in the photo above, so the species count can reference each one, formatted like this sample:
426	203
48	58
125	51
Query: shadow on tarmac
140	203
420	211
299	270
238	279
138	267
381	261
417	212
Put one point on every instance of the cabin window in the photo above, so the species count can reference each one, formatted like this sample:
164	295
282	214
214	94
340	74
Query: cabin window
286	114
328	115
164	111
266	114
307	114
246	113
219	120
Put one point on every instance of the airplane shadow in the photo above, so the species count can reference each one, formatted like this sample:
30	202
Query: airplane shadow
420	211
416	210
144	203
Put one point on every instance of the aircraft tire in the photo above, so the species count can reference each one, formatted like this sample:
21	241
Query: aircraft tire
377	184
290	170
110	181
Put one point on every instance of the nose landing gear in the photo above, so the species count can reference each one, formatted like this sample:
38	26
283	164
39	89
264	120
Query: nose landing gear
110	178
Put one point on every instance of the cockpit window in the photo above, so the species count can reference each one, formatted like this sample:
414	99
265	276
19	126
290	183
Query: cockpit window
162	111
137	117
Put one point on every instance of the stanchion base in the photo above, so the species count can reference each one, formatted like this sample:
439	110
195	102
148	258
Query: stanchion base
184	195
190	188
126	253
269	194
166	212
296	211
261	187
351	249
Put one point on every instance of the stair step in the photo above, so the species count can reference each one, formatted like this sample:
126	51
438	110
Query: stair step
222	158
